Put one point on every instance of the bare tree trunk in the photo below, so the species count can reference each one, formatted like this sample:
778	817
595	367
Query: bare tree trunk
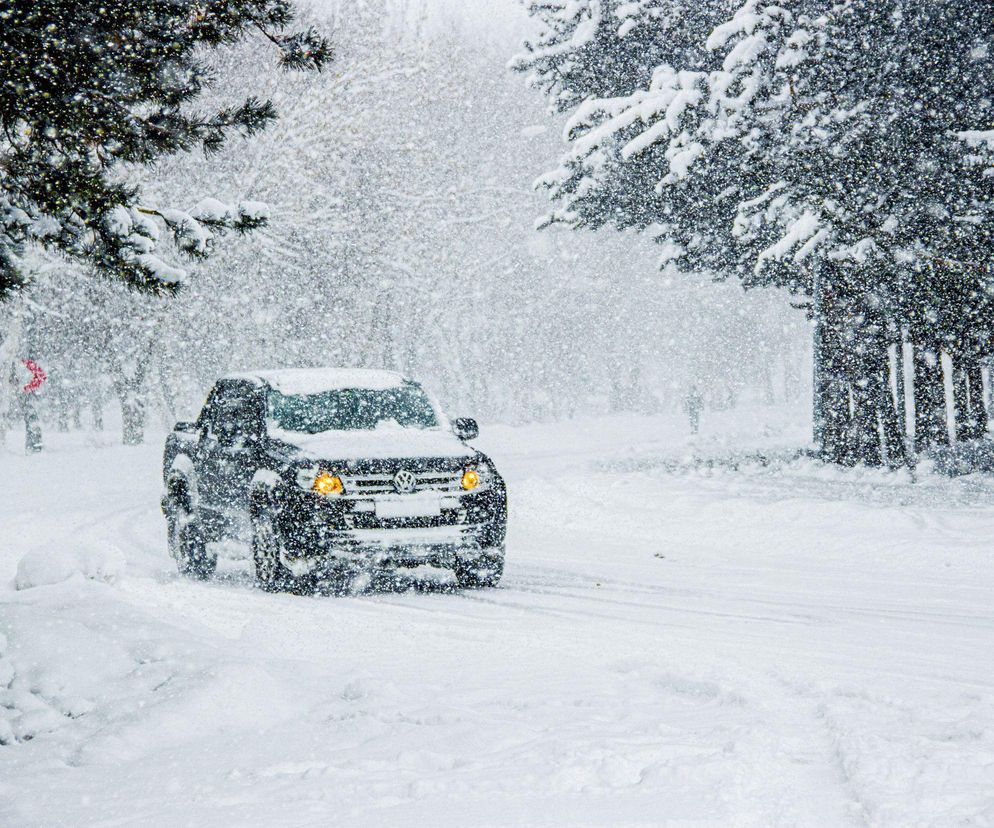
60	395
129	387
132	418
9	347
962	426
834	447
890	422
985	379
96	400
930	400
900	397
975	388
824	436
76	410
32	425
864	437
845	405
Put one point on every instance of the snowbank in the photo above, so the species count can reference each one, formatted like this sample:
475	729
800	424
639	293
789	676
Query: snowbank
41	567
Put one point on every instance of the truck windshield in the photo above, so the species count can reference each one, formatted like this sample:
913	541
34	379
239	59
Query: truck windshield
351	409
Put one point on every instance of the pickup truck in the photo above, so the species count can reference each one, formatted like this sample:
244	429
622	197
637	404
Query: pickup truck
332	474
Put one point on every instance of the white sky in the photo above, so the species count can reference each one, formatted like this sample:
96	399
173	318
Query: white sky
502	21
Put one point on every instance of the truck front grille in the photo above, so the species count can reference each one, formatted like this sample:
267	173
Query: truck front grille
373	484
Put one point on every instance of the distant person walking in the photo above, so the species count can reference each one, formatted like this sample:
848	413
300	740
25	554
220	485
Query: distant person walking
694	405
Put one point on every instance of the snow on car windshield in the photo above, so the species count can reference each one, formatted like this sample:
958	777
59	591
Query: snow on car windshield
351	409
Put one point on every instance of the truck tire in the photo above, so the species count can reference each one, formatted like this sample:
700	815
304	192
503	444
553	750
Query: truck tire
271	574
186	542
187	545
482	572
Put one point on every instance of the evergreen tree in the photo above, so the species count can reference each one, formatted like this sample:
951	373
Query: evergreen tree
630	147
91	89
834	148
858	113
609	48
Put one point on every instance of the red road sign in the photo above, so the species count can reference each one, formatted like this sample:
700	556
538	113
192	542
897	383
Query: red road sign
38	376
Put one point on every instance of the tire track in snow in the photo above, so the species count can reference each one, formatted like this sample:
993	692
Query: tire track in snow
249	618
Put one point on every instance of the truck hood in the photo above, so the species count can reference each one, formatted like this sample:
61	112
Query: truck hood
387	442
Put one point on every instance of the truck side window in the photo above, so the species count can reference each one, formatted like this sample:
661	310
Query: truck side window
208	414
239	415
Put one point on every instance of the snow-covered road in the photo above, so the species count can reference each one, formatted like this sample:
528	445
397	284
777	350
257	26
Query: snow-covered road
677	640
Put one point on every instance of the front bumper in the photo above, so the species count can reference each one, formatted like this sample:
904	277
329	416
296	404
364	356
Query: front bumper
329	534
386	549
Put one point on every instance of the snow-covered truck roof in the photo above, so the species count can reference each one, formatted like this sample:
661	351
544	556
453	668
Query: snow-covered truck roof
318	380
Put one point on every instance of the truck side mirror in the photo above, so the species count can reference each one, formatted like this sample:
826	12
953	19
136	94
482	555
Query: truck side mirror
466	428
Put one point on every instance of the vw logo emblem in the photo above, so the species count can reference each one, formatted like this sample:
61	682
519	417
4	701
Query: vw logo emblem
404	481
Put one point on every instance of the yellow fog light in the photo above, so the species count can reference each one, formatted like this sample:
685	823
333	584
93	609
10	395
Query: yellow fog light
470	479
328	484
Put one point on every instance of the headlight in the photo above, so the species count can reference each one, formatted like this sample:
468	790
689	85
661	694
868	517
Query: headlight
323	482
476	478
326	483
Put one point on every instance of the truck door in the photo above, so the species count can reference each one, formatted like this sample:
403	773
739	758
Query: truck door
229	446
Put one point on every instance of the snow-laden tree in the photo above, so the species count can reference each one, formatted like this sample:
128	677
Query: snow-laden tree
828	147
616	68
91	89
607	49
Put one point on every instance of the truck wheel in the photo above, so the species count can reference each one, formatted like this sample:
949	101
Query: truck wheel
270	572
188	547
481	572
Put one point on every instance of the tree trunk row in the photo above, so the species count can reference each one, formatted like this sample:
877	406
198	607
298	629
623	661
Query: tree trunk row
860	406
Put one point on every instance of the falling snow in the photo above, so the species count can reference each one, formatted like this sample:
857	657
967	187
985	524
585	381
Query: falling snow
714	279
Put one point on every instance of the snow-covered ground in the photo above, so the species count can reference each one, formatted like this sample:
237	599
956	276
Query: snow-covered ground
685	635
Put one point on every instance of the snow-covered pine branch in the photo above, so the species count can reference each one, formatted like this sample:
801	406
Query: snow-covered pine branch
91	92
